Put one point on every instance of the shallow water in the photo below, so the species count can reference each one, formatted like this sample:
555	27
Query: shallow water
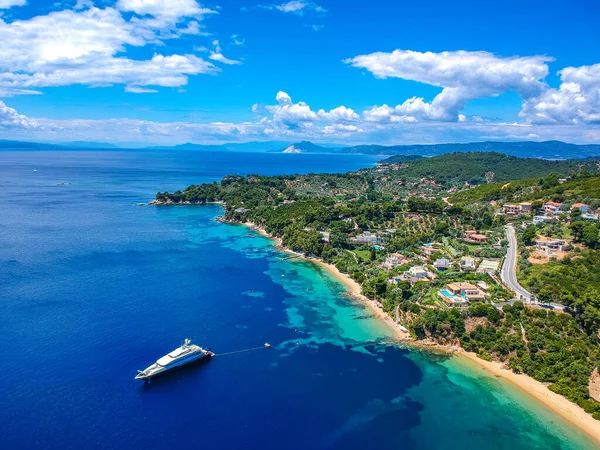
93	287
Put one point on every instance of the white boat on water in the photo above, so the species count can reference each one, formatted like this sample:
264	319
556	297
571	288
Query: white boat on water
186	354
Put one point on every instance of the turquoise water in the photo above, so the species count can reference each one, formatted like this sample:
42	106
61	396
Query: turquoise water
93	287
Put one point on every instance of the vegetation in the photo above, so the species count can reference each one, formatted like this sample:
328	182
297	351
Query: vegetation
404	208
479	167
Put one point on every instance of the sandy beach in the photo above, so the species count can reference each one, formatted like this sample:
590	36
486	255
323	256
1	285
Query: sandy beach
558	404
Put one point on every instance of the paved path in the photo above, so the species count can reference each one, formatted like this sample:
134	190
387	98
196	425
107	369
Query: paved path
509	268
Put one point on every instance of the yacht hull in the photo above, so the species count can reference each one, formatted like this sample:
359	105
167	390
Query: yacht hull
156	370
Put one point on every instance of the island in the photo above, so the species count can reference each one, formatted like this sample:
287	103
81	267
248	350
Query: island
491	256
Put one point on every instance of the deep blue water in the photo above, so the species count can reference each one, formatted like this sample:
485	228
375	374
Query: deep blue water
93	287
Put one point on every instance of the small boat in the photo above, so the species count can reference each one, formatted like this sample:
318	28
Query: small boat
186	354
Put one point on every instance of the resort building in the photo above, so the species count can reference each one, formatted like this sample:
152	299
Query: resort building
366	238
467	263
460	294
552	207
466	290
442	263
417	272
581	206
395	260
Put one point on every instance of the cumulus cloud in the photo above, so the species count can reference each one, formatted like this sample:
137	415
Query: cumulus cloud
5	4
577	100
462	75
284	120
10	118
69	47
339	114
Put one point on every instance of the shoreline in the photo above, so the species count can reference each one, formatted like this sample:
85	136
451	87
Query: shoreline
559	405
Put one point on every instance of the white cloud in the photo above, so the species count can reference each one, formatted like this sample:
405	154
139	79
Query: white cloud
577	100
5	4
289	114
216	55
339	114
285	120
463	75
387	114
9	118
80	47
237	40
83	4
139	90
222	59
296	7
167	10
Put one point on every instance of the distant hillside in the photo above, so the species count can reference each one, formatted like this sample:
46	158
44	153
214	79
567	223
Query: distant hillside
234	147
479	167
526	149
25	145
399	159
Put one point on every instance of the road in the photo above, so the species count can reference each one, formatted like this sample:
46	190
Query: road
509	273
509	268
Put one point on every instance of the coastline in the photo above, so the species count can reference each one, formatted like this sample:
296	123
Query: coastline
559	405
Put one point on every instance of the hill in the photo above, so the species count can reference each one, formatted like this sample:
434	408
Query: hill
546	150
481	167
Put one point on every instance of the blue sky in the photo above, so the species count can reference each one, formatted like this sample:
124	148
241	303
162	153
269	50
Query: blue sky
172	71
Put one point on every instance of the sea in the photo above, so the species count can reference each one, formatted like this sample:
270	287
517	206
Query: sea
94	287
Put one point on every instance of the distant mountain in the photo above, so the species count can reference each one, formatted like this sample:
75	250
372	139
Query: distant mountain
233	147
25	145
526	149
62	145
307	147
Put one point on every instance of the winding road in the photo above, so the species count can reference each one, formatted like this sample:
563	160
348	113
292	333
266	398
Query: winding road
509	268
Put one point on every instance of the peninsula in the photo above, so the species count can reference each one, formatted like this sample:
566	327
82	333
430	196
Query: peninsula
492	256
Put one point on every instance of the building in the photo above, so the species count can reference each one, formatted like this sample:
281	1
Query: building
426	251
395	260
540	219
552	207
511	210
582	207
465	290
451	300
525	207
550	247
590	216
467	263
481	238
366	238
418	272
442	263
483	286
458	295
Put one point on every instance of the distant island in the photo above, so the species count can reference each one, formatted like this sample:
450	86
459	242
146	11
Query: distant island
483	253
525	149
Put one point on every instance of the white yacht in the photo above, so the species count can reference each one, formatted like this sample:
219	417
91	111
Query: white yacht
181	356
